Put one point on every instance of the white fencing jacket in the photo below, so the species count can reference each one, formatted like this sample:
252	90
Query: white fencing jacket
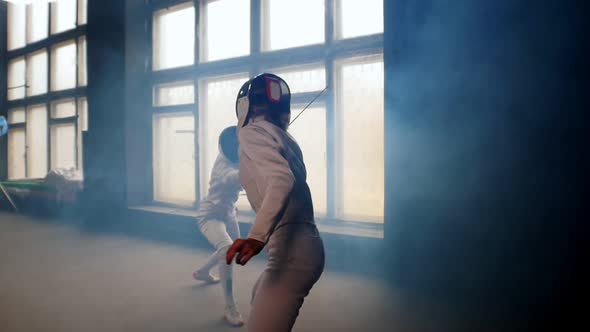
273	174
224	188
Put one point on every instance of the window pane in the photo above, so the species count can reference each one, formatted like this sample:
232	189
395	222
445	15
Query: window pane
37	73
359	143
83	114
63	15
304	80
37	21
63	109
36	141
82	70
174	158
289	23
16	115
16	79
16	154
16	24
223	43
310	133
176	93
359	18
174	37
63	145
63	66
82	126
217	105
82	11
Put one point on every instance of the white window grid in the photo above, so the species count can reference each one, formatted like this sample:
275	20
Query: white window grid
78	93
333	51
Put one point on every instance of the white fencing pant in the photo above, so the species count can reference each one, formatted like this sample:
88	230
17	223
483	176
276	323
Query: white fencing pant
295	263
221	235
218	232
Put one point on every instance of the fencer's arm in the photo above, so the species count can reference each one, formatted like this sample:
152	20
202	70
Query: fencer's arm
273	177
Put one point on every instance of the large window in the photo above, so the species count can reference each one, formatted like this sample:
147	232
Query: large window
174	37
219	42
312	44
46	75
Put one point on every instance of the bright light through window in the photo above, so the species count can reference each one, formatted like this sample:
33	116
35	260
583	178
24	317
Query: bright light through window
310	133
36	136
288	23
174	37
82	11
304	80
16	115
82	68
360	141
224	42
16	154
217	105
37	21
359	18
174	159
16	78
177	93
16	24
63	66
63	15
63	109
63	145
37	73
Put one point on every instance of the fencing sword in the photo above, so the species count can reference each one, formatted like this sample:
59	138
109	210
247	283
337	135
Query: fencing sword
311	102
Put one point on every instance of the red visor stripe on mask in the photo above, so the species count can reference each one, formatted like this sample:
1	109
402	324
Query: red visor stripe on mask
273	89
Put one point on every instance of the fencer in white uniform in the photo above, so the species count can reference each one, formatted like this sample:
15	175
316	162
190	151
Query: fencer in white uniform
274	176
217	220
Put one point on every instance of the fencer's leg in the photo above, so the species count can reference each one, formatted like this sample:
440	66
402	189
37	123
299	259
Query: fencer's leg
231	314
226	276
290	274
203	273
233	228
215	232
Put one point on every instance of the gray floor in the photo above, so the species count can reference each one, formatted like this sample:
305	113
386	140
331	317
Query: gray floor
53	277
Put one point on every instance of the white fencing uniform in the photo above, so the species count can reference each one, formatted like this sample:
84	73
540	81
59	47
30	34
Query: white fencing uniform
273	174
217	221
220	204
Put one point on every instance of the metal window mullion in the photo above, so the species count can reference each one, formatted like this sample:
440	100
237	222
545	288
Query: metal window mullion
197	147
201	50
77	43
77	14
200	26
76	123
49	93
26	145
330	111
48	136
330	139
256	28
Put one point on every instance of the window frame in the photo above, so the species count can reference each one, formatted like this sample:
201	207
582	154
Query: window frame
77	93
326	55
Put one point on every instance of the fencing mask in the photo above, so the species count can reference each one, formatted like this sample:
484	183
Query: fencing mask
266	94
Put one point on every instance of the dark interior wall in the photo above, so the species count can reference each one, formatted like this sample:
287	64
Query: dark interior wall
138	102
104	143
482	137
3	91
